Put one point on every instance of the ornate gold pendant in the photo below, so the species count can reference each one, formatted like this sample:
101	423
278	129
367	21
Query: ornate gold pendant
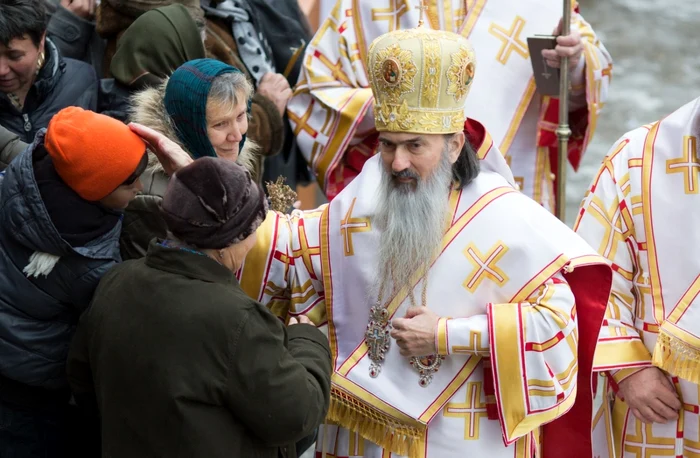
426	366
378	338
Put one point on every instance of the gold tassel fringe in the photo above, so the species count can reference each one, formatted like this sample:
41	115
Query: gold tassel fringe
677	357
376	426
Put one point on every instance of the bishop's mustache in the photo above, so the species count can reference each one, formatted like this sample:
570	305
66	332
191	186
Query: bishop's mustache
406	173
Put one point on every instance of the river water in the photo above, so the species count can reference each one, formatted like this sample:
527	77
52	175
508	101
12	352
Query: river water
654	45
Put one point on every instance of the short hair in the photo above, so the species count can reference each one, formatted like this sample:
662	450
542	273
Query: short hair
466	167
228	87
22	17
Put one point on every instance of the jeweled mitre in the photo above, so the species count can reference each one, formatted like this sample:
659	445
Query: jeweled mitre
420	80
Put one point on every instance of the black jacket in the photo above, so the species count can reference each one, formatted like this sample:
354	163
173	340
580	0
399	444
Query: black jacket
38	314
61	83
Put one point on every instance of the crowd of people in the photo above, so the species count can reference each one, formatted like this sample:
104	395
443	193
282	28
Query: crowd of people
153	304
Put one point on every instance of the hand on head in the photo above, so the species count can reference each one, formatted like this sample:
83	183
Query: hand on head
169	153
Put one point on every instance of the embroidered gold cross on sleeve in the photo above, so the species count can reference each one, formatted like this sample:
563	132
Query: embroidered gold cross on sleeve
688	164
350	225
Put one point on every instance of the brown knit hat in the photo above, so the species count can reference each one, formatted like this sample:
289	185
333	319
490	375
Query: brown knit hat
213	204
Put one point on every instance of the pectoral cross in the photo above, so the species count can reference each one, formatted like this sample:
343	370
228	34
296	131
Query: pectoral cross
422	9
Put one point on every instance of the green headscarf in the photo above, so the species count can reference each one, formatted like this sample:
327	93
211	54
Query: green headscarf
157	43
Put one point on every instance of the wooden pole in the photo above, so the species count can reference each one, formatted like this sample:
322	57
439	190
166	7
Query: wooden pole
563	130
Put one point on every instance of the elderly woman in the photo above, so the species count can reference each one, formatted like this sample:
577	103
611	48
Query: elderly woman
35	81
185	363
204	108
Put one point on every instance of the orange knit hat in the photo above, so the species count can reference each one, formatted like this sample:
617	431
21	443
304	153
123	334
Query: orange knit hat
93	153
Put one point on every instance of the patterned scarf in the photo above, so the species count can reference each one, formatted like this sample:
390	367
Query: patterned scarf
253	48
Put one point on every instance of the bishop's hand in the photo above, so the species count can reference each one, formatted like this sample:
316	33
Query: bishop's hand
415	333
650	396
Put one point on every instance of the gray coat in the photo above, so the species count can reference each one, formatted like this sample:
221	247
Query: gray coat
61	83
74	36
38	315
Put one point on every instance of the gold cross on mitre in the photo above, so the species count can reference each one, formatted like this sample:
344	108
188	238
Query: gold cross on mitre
421	6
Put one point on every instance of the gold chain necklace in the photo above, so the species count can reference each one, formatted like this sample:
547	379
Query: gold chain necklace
379	339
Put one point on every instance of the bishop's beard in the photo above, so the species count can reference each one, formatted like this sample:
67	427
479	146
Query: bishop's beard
412	218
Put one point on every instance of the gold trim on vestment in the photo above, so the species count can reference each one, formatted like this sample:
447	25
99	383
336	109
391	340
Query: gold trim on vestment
361	412
518	117
678	353
254	268
441	340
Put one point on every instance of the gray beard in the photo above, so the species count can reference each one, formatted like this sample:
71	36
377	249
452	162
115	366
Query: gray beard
412	222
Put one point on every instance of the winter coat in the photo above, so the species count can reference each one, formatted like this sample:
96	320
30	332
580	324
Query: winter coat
10	147
156	44
74	36
182	363
46	282
61	83
142	220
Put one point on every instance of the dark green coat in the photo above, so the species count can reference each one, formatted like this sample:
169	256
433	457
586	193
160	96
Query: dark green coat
183	364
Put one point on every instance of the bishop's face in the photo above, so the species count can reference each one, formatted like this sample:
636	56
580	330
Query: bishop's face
411	158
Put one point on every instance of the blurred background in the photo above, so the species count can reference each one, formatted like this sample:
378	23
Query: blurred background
654	45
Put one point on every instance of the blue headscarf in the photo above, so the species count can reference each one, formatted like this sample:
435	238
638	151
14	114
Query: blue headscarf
186	103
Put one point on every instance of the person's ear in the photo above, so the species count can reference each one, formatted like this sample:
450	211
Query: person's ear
455	145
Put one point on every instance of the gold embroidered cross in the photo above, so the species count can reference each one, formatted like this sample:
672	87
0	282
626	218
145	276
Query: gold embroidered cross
337	71
350	225
473	410
611	220
305	251
302	122
474	345
391	14
485	266
643	444
688	164
511	40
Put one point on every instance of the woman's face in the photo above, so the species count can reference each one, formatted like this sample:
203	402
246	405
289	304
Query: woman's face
226	126
18	63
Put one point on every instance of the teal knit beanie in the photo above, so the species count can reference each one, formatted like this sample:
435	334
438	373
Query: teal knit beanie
186	103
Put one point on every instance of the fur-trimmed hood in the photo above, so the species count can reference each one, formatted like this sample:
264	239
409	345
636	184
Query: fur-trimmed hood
147	107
